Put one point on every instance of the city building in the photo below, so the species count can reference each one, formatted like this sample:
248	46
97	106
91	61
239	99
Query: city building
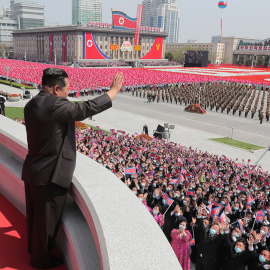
164	14
216	50
247	51
84	11
7	26
216	39
72	43
27	14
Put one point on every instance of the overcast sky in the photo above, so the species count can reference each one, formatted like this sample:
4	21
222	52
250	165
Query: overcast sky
199	19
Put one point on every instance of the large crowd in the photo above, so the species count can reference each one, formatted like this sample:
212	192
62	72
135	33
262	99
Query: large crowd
92	78
214	211
224	96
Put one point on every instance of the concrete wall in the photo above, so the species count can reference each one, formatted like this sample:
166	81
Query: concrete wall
104	225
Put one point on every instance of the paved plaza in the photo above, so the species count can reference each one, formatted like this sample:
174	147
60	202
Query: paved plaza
131	113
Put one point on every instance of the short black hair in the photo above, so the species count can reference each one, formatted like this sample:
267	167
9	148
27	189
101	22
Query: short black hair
54	76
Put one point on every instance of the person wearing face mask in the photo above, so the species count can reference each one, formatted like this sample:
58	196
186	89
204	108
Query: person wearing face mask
172	220
159	218
260	261
237	257
156	198
180	244
210	246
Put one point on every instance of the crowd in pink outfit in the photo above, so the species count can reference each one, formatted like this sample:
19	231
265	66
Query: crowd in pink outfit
84	78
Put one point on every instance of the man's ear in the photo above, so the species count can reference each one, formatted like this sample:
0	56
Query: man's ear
56	89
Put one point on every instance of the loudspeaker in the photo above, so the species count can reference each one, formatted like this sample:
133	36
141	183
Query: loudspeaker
160	128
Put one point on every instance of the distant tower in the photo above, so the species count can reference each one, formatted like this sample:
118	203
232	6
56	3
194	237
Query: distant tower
28	14
164	14
84	11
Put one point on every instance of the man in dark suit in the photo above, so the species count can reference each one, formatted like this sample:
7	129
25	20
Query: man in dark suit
48	168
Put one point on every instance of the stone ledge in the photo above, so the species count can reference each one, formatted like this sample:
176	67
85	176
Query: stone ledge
125	234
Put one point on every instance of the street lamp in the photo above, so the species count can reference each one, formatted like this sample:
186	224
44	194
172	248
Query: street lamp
169	127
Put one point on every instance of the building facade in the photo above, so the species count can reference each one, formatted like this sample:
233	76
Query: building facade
84	11
164	14
69	43
216	50
27	14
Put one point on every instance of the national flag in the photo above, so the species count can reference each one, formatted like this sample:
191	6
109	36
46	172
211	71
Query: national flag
112	131
174	181
240	187
184	172
168	200
192	242
228	206
237	178
91	155
130	170
181	177
222	217
190	193
249	201
134	155
201	165
241	225
190	160
260	216
138	166
215	211
123	21
217	204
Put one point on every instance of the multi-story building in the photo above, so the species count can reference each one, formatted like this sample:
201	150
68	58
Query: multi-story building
72	43
27	14
216	39
164	14
84	11
216	50
7	26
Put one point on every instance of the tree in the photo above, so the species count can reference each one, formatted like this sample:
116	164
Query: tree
240	61
3	50
169	56
260	60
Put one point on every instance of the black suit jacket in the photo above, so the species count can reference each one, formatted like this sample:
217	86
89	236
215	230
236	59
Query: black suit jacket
50	126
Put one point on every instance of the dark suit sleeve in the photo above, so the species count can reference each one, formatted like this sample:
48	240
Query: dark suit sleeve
65	111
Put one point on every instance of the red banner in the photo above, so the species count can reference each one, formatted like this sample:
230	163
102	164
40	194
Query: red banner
156	50
138	25
64	47
90	48
51	47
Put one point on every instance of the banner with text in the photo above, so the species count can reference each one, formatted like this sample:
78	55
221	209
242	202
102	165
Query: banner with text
138	25
254	48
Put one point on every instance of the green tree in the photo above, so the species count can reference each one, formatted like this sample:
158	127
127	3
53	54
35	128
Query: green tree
260	60
169	56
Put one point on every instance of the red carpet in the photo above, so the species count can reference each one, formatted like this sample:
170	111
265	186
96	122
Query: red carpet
13	238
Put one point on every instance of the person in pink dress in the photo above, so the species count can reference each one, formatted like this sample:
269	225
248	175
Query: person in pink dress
180	244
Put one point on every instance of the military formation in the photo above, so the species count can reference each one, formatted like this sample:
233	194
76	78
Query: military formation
251	100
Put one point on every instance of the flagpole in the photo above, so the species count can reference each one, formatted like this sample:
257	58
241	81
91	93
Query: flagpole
167	210
254	222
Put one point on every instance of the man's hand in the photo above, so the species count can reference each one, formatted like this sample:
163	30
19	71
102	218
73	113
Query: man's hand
116	85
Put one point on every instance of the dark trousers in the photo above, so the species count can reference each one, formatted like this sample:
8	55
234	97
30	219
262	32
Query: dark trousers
44	208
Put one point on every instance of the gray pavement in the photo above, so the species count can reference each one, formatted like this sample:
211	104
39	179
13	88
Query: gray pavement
131	113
